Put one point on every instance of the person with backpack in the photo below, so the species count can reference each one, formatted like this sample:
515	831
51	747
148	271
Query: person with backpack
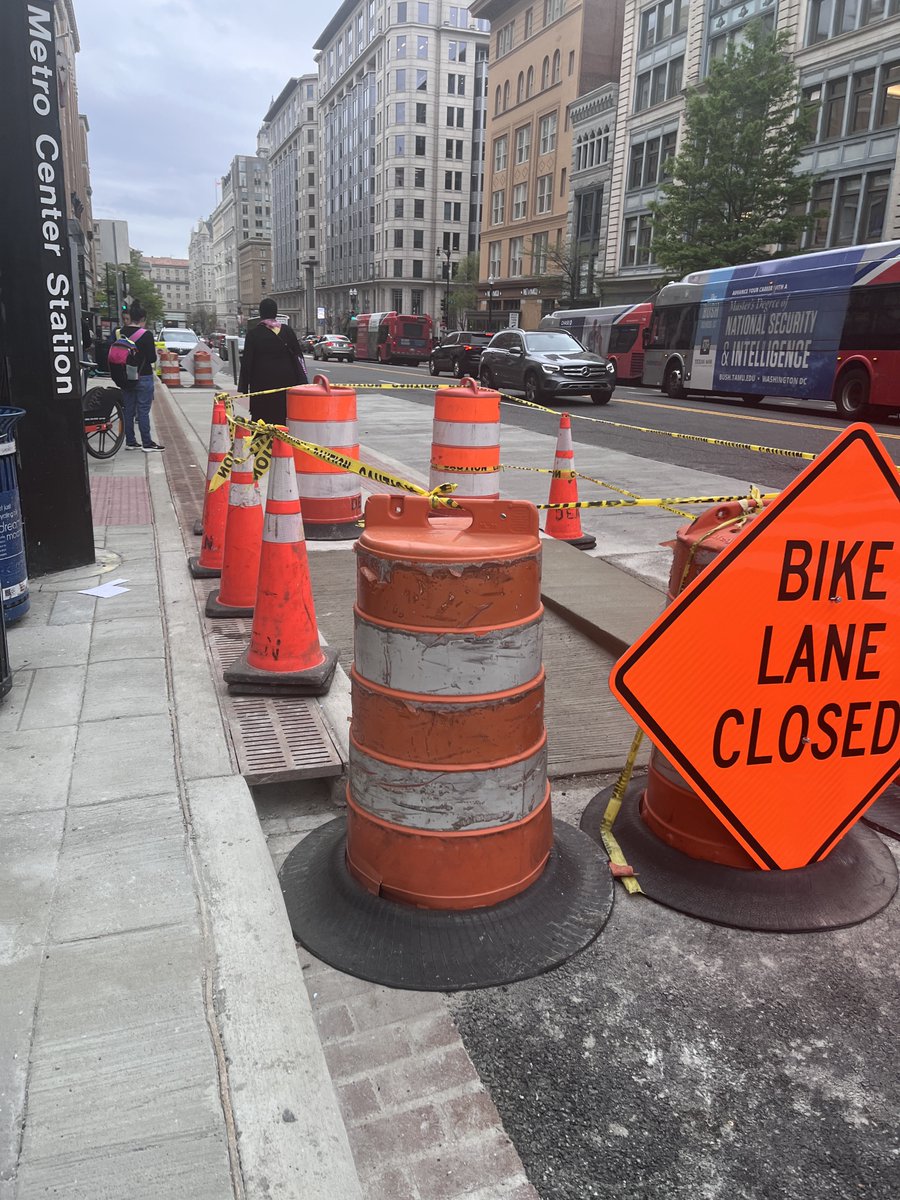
132	354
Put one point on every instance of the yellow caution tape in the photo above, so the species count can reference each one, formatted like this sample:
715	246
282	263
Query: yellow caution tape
613	849
643	502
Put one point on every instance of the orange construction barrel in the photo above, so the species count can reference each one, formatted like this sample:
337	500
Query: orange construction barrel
465	443
330	496
448	871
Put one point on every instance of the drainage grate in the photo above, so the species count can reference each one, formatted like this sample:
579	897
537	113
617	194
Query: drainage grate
275	738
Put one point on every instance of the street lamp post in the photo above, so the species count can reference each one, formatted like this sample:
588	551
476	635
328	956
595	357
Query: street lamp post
438	254
353	297
490	303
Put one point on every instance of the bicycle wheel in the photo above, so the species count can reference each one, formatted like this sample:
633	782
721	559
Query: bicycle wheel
103	436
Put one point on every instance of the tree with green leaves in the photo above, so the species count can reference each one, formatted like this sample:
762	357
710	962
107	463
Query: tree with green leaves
734	194
138	286
464	293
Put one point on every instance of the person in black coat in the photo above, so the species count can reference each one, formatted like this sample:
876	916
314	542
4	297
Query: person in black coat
272	358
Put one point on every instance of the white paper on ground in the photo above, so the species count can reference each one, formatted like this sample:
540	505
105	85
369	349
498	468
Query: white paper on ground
105	590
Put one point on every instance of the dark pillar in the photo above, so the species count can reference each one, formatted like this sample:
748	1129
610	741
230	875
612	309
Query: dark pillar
39	335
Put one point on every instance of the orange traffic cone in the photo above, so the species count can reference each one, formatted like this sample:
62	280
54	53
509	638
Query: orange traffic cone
211	526
243	538
284	656
565	523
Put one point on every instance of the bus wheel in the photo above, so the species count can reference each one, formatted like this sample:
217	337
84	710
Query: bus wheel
673	384
852	394
751	401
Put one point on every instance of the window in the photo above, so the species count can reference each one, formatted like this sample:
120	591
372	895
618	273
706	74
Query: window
400	46
545	73
548	133
659	84
399	144
418	302
494	249
421	114
888	105
662	21
520	201
529	83
420	146
418	239
523	143
556	67
647	160
504	39
516	256
419	177
498	203
400	80
398	268
421	80
421	46
539	246
833	108
456	51
401	11
849	191
497	96
501	152
520	88
398	210
400	112
417	268
544	202
418	210
506	96
397	299
571	62
398	239
398	177
636	241
529	23
861	101
553	10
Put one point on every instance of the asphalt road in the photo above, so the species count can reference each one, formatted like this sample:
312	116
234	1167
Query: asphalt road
779	424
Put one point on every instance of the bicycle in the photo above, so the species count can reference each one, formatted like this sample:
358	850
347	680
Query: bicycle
104	414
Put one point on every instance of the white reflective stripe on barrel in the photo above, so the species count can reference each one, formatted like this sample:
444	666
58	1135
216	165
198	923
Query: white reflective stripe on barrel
243	495
283	527
448	801
466	433
322	485
452	662
325	433
481	483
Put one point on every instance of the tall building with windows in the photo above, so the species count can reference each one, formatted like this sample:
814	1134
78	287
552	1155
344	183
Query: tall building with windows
243	212
847	54
294	182
201	277
544	54
401	87
593	121
171	276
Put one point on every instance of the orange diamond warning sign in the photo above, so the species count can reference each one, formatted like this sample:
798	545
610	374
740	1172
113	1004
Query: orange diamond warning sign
773	681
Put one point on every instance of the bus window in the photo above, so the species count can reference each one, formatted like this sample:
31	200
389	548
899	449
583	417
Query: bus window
873	319
622	338
383	332
673	327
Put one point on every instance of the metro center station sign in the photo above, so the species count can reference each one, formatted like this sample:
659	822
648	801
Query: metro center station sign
773	681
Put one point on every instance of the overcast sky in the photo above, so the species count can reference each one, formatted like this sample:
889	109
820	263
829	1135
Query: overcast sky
172	90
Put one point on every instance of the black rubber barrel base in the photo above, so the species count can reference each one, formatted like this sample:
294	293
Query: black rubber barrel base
586	542
215	609
856	881
199	572
884	814
344	531
445	951
244	680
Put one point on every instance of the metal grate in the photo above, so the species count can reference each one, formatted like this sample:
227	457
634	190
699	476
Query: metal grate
275	738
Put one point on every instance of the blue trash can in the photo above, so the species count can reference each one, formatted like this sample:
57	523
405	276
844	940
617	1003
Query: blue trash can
13	571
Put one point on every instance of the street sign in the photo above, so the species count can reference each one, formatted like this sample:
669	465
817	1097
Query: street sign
770	682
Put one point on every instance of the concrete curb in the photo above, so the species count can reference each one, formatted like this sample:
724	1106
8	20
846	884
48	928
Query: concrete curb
290	1135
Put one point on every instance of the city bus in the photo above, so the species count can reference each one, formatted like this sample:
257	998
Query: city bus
616	331
821	326
391	337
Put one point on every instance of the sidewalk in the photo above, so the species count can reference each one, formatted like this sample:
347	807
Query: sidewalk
160	1034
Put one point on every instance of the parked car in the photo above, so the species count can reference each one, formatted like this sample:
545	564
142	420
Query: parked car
182	341
545	365
334	345
459	353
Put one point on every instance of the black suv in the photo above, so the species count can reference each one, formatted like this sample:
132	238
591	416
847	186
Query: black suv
459	353
545	365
